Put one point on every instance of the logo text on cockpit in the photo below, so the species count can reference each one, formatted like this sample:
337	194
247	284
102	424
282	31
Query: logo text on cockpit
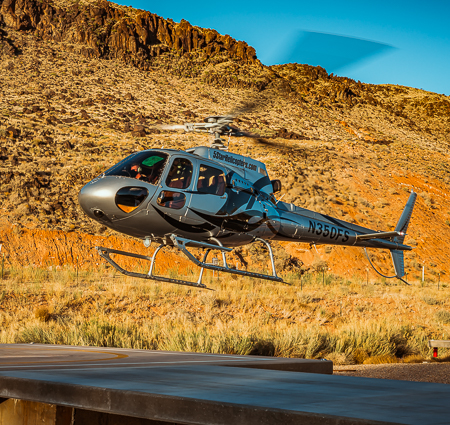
234	161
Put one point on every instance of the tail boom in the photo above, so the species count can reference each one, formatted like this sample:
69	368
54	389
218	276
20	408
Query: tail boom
303	225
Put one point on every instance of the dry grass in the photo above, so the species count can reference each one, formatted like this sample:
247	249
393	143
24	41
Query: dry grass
42	313
415	358
383	359
344	321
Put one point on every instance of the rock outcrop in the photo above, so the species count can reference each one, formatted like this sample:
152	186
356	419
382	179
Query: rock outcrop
105	30
7	47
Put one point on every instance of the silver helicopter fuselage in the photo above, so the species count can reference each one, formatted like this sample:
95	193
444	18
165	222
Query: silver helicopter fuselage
205	193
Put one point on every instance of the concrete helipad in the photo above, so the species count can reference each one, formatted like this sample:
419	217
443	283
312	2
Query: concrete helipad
53	357
210	389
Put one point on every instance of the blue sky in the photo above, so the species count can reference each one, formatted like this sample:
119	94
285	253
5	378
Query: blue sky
414	35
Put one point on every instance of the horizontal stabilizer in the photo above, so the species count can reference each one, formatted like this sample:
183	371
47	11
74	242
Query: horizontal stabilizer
378	235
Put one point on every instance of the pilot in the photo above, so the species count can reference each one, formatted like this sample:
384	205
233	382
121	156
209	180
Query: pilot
134	170
153	176
138	169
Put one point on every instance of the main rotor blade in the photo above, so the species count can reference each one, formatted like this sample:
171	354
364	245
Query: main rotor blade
245	108
171	127
265	142
330	51
255	103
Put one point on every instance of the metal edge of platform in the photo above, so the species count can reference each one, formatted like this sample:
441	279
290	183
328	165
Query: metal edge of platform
287	365
158	407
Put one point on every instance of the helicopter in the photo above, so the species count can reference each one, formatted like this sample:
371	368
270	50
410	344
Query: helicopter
207	197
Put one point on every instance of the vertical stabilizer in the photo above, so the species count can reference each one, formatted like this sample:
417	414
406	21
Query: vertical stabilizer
402	225
399	263
403	222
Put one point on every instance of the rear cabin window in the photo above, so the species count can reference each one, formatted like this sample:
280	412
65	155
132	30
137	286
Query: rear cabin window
180	174
211	180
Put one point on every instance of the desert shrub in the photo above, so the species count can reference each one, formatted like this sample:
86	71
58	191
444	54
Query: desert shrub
430	300
429	201
443	316
378	338
339	359
444	359
92	332
359	356
304	298
319	265
263	348
203	341
42	313
411	242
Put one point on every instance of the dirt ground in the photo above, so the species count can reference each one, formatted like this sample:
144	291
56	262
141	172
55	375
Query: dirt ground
422	372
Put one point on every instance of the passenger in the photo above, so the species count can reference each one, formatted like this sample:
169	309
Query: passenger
172	178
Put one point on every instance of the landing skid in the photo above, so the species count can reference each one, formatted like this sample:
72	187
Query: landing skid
180	244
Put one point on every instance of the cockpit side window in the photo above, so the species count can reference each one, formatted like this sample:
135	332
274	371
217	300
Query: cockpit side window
180	174
145	166
211	180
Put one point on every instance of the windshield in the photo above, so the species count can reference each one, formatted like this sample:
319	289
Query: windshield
145	166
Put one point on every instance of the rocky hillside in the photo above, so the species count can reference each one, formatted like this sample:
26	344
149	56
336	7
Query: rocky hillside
83	84
104	30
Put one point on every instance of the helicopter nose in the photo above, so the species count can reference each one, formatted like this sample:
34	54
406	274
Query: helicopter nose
110	199
97	199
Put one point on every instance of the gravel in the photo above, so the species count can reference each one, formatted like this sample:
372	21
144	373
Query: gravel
421	372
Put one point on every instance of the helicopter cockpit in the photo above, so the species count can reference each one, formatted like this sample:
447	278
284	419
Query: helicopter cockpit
149	167
145	166
180	174
178	178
